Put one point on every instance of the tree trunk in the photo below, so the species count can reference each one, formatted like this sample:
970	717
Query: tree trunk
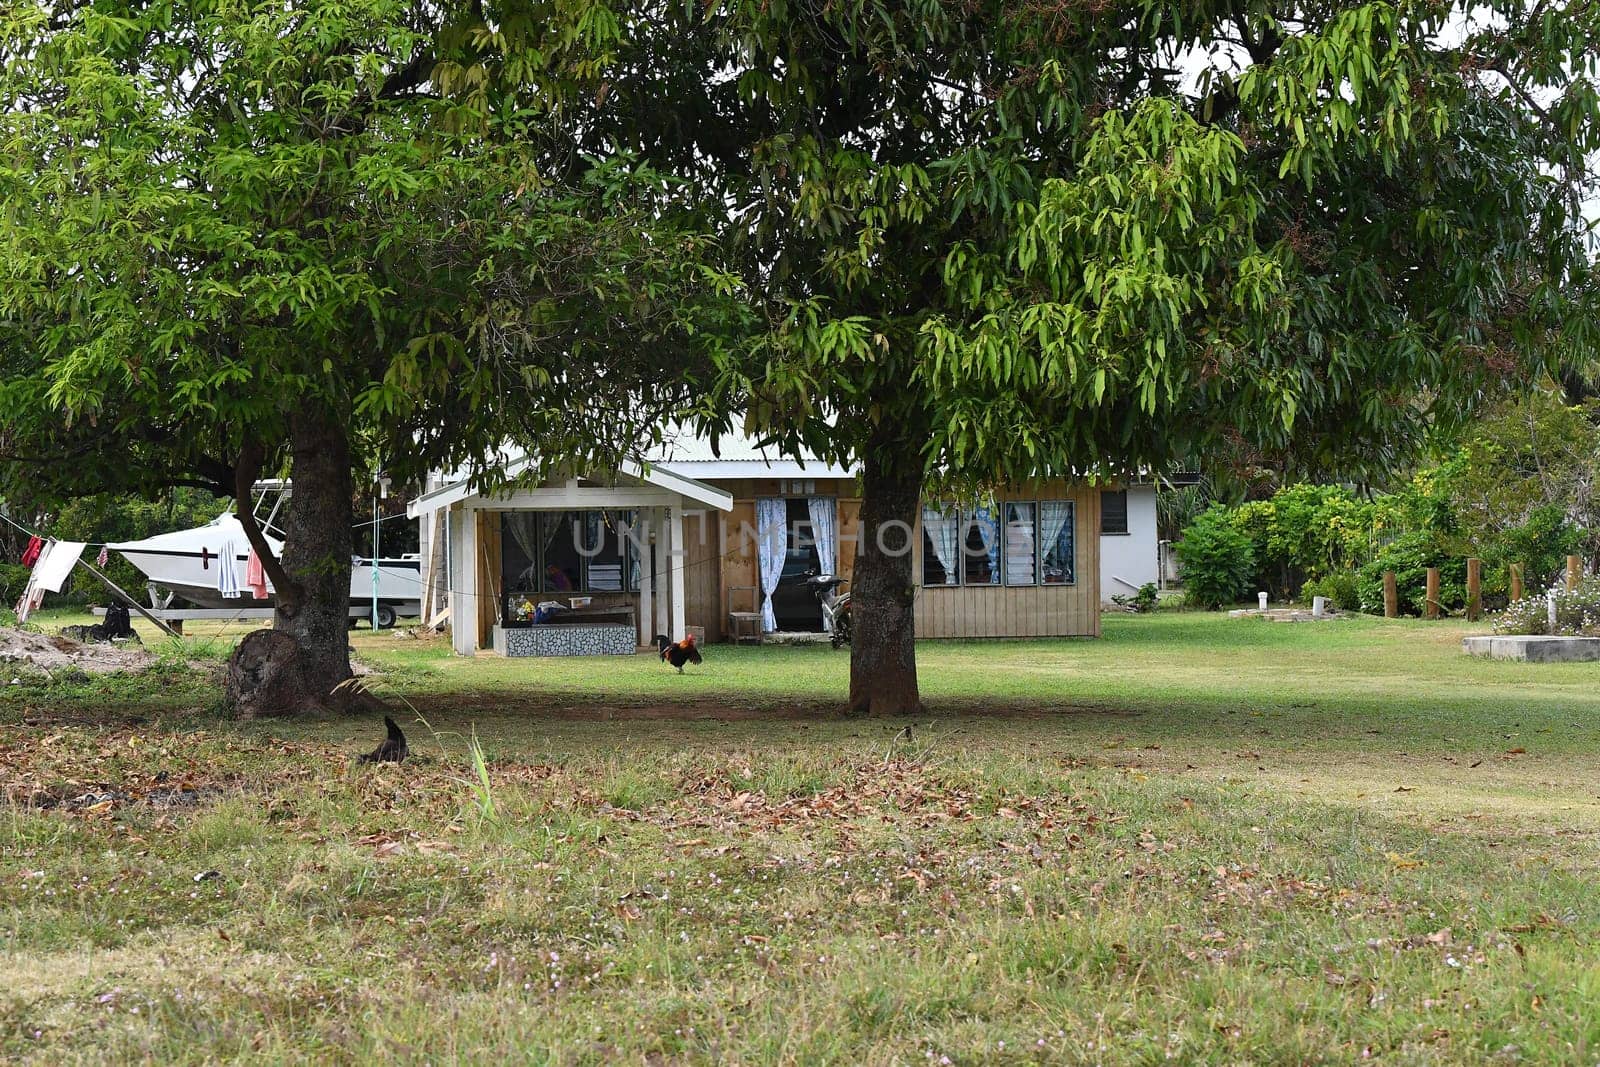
298	666
317	548
883	658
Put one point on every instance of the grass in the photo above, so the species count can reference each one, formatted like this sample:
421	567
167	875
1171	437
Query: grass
1198	840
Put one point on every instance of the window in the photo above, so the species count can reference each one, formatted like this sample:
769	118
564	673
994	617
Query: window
559	552
1113	511
1057	541
1021	543
980	548
940	526
1021	546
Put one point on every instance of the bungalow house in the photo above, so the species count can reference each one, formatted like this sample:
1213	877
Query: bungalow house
704	541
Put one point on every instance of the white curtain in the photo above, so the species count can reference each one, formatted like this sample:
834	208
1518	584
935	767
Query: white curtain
1054	517
772	545
944	530
824	511
521	526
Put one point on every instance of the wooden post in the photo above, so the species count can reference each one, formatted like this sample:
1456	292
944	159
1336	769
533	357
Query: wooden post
1391	596
132	603
1516	581
1574	572
1474	589
1431	608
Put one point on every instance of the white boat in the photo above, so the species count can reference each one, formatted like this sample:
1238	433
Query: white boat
189	562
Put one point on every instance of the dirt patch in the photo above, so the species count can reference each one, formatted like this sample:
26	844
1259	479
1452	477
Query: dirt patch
49	654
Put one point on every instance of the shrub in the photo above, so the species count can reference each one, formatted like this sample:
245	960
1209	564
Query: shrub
13	580
1409	556
1142	601
1218	561
1343	590
1305	531
1577	613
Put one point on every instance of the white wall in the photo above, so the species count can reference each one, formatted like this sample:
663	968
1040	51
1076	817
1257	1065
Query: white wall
1131	557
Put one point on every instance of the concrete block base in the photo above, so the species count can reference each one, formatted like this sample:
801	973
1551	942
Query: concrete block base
1534	648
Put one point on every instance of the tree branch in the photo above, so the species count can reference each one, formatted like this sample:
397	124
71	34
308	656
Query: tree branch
248	469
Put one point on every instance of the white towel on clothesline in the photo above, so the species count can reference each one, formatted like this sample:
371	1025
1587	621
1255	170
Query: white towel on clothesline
50	573
228	572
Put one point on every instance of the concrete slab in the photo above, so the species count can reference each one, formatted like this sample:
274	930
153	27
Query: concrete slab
1533	648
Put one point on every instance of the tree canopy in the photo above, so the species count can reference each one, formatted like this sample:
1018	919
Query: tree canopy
244	238
1003	238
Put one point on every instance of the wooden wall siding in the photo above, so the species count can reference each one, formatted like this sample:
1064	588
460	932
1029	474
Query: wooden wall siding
490	581
849	530
702	576
739	565
1023	611
963	611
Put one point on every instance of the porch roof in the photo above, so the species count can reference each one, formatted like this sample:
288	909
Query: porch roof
457	490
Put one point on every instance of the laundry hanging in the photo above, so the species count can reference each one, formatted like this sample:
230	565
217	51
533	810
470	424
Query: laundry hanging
255	575
55	563
50	570
30	555
228	572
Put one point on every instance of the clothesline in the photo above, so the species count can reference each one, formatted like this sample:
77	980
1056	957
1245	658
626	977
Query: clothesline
105	544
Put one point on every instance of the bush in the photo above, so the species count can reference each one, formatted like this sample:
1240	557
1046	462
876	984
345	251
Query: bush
1577	613
1304	532
1343	590
1218	561
1142	601
1409	556
13	580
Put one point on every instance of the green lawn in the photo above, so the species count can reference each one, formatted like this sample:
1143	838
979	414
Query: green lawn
1196	840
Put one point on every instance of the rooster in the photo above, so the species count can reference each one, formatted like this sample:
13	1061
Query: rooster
392	750
678	654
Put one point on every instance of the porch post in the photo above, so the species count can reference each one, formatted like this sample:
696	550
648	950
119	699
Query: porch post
679	557
647	576
663	545
464	601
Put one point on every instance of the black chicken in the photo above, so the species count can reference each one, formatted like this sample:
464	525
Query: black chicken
392	750
678	654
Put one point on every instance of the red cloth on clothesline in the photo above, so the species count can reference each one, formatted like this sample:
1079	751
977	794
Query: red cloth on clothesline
30	555
255	575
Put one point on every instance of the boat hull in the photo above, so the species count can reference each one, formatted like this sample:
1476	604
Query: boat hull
189	562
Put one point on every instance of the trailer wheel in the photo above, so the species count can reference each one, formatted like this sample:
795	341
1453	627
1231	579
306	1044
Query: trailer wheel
386	616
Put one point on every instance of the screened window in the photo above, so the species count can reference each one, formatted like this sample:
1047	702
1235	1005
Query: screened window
1114	511
940	539
1056	540
568	552
980	547
1021	546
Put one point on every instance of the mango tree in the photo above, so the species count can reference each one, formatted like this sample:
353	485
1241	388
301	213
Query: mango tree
244	239
1004	238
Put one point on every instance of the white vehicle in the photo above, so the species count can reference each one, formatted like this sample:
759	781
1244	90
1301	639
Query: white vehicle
187	563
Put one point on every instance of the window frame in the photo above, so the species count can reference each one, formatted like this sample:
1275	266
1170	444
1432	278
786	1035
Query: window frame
1073	526
967	522
1038	560
946	509
631	573
964	515
1127	524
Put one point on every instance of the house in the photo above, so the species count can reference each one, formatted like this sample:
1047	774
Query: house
1129	553
692	536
